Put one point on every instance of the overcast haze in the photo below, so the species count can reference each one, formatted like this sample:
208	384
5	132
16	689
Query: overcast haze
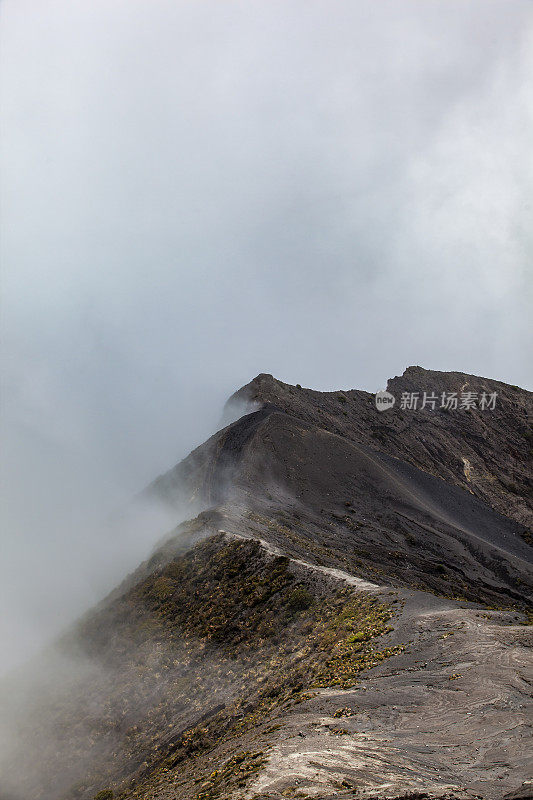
196	192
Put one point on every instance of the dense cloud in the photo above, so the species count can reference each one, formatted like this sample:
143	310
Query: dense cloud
195	192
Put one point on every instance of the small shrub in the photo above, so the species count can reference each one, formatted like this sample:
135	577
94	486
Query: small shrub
360	636
527	536
299	600
163	588
105	794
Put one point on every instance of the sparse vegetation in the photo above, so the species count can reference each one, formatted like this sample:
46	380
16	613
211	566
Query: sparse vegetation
207	652
233	598
343	712
346	638
299	600
231	775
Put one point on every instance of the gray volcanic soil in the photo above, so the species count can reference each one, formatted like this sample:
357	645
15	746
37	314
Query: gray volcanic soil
486	452
327	496
453	712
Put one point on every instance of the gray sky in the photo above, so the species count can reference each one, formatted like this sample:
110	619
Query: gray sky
196	192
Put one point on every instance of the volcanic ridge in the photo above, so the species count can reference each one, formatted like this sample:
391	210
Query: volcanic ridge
345	614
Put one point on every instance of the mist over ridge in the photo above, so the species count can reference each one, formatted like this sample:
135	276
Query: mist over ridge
194	194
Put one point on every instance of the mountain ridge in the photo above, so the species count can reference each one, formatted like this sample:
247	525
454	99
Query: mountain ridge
342	616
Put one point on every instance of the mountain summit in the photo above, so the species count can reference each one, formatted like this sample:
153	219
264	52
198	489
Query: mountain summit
342	616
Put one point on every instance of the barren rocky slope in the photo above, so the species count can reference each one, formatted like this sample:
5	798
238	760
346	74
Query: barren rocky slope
486	452
345	619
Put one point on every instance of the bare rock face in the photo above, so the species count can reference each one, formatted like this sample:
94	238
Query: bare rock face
487	452
380	492
346	618
525	792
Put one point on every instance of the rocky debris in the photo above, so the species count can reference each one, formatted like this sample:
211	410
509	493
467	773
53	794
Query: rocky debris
525	792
